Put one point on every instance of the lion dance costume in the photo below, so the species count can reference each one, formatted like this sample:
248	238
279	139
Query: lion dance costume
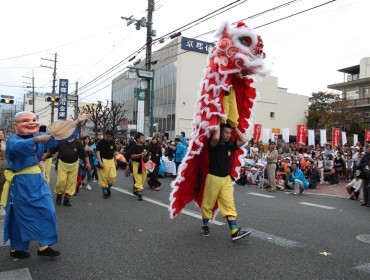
226	94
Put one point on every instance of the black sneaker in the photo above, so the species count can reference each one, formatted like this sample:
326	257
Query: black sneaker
48	252
240	234
66	202
108	192
105	193
140	196
58	200
205	231
19	254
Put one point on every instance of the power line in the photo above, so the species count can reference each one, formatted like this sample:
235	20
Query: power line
60	46
253	16
143	47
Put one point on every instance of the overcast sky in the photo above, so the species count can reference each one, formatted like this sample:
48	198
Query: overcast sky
304	51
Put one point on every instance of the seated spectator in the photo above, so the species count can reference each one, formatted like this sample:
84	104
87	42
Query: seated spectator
354	187
297	180
253	176
307	170
339	164
329	163
333	177
170	151
314	178
242	181
281	179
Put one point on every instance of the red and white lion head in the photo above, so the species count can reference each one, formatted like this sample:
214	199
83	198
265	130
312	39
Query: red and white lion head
238	50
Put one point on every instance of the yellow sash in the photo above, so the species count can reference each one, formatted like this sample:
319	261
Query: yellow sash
9	175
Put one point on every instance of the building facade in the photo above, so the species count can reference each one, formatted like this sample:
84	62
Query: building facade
355	88
177	75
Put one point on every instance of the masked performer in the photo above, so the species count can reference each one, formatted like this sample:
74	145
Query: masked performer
30	212
226	96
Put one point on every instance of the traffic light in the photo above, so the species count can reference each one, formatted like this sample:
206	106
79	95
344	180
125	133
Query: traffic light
52	99
7	101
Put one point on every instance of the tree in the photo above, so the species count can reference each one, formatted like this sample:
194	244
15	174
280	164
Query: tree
96	111
328	110
105	116
118	114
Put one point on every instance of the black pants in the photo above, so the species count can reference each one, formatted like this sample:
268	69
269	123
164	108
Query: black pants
366	191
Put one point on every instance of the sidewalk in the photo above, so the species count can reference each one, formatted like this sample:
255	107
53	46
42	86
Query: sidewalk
331	190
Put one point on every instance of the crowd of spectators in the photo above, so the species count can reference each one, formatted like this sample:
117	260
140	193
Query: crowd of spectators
319	165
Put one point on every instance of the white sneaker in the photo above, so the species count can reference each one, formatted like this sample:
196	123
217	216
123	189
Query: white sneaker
88	187
94	181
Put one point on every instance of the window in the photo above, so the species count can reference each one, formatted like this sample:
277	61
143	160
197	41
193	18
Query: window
272	115
365	92
353	94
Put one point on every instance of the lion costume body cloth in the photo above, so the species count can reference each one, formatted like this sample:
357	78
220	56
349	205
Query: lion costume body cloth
226	93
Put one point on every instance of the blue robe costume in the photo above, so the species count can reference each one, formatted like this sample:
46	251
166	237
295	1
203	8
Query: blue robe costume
30	211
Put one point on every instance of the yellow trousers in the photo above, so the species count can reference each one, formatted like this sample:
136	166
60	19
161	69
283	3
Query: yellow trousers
218	189
139	178
47	169
231	108
67	178
108	174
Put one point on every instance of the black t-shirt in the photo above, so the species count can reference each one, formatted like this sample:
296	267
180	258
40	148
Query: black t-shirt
220	158
106	149
135	150
69	152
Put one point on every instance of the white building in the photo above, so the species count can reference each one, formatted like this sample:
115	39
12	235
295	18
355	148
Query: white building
178	72
43	109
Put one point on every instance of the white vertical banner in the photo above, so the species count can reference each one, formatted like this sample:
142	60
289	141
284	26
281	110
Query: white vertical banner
286	135
355	139
323	140
344	138
311	137
266	133
140	111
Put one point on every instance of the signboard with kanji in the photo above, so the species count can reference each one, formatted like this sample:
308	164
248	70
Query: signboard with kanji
63	101
196	45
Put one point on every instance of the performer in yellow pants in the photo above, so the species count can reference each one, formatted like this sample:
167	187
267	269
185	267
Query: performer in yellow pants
138	155
219	186
218	189
230	108
108	174
67	178
139	178
69	153
106	154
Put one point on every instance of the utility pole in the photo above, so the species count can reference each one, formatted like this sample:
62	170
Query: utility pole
148	65
54	82
148	23
33	90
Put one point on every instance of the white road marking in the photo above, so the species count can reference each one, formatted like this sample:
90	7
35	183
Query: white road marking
275	239
2	211
19	274
364	267
2	235
186	212
259	194
317	205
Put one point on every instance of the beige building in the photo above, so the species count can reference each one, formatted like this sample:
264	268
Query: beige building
355	88
43	109
178	72
277	108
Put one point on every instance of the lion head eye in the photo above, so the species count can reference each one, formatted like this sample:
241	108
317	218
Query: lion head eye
246	41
